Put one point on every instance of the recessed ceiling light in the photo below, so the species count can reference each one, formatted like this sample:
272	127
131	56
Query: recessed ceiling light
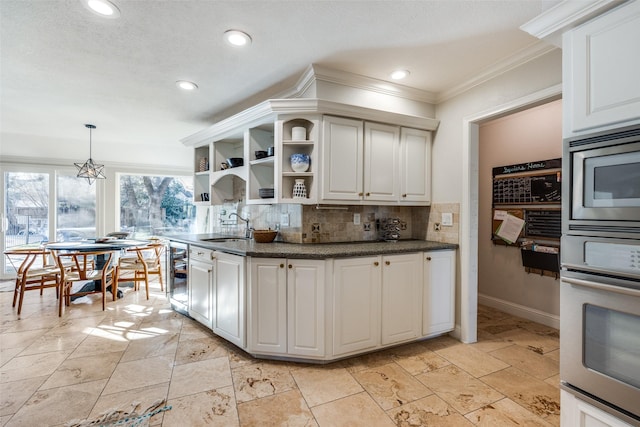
399	74
103	8
237	38
186	85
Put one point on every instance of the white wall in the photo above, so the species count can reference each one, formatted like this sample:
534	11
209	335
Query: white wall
52	150
530	135
454	142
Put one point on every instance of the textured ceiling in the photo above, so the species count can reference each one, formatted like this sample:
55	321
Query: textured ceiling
63	66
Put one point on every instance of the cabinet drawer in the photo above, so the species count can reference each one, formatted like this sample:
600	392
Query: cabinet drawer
201	254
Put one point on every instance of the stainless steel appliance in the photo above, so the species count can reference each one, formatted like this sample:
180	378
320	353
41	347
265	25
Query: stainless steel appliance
178	282
601	188
600	277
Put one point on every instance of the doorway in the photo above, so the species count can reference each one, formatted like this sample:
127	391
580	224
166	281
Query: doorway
469	205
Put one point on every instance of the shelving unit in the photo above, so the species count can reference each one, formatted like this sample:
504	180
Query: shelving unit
290	146
261	171
201	166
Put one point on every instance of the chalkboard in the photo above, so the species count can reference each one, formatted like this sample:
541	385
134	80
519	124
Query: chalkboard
529	189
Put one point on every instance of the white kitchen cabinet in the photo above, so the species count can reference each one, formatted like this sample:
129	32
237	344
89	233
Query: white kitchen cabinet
381	167
439	292
600	72
356	304
373	162
286	306
228	298
415	166
305	307
201	280
401	318
267	306
578	413
342	159
360	160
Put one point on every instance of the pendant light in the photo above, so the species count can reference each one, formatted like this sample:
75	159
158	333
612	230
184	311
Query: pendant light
88	169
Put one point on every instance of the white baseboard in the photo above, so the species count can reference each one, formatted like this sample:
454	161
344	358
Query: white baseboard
528	313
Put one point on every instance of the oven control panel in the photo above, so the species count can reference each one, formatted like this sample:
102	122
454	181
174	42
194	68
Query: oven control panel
613	256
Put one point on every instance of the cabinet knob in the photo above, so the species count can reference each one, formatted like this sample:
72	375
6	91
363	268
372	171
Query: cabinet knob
376	263
428	258
360	194
290	266
404	195
387	262
281	265
368	194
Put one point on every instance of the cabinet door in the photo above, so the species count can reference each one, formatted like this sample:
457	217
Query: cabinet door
228	298
200	288
415	166
439	292
305	307
381	167
356	301
268	306
342	159
601	66
401	297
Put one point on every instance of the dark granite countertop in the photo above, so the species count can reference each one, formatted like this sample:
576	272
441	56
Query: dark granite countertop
307	250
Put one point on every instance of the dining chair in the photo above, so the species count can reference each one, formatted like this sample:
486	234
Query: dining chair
138	264
78	267
33	271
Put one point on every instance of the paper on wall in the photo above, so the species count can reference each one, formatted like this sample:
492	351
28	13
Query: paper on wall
510	228
500	215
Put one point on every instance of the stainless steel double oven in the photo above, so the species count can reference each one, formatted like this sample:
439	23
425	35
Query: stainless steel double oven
600	277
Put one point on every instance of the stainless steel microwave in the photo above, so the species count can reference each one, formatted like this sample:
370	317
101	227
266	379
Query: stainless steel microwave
601	194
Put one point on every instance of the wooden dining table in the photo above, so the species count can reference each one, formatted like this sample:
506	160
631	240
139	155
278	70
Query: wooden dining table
104	244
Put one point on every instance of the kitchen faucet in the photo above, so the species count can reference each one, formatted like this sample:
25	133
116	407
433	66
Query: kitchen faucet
247	230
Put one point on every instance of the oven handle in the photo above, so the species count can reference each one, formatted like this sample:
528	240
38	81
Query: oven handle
602	286
600	270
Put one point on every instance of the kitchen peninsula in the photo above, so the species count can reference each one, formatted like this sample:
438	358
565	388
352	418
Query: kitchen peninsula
320	302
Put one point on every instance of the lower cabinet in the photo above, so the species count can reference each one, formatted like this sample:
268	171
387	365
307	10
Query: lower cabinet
377	301
228	298
217	292
401	298
439	292
327	309
356	304
286	306
576	412
201	262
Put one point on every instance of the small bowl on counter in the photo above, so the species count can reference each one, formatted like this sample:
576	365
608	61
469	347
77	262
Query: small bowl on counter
235	162
264	236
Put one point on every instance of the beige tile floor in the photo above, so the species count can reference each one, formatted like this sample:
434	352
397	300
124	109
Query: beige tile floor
53	370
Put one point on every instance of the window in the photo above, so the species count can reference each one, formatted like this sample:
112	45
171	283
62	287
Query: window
75	209
26	208
155	205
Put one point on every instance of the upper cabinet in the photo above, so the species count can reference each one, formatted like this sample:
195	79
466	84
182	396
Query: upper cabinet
601	66
310	151
373	162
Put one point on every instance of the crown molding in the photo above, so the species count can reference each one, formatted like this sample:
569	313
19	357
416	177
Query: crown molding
528	54
267	111
568	14
358	81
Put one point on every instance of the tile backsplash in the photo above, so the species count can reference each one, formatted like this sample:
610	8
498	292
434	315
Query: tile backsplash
333	224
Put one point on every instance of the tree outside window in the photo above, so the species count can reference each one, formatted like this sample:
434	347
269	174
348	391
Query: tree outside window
155	205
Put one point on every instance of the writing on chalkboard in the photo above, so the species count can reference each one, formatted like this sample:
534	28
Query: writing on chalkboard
528	167
528	189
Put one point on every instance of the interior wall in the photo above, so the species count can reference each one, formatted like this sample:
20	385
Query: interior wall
455	162
530	135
